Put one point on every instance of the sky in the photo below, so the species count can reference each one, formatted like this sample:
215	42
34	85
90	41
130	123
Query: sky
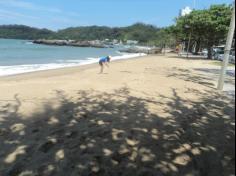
59	14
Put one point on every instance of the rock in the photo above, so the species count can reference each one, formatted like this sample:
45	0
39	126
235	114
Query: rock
52	42
144	50
94	44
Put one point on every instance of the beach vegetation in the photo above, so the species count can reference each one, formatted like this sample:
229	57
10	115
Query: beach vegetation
143	33
24	32
207	27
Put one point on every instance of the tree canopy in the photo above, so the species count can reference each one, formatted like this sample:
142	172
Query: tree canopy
208	27
143	33
24	32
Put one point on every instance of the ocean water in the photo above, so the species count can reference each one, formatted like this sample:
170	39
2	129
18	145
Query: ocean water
22	56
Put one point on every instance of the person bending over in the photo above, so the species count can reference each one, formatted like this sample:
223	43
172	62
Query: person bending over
104	61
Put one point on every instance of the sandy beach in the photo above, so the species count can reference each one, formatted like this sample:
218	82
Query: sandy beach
148	116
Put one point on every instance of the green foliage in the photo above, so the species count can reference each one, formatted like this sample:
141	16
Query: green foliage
24	32
209	27
165	37
88	33
140	32
145	34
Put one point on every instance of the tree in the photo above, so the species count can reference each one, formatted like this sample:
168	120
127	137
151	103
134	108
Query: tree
24	32
209	27
164	37
141	32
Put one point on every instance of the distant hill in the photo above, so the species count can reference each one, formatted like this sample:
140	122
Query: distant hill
140	32
24	32
143	33
89	33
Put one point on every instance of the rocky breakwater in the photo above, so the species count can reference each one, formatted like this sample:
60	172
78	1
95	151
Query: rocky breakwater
94	44
145	50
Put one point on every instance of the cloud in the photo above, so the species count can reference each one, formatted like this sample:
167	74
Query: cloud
35	7
6	14
23	12
28	6
52	22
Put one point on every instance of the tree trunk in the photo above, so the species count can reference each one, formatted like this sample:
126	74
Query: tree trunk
191	46
198	46
209	48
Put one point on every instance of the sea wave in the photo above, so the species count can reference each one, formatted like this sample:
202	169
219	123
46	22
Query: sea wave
29	43
19	69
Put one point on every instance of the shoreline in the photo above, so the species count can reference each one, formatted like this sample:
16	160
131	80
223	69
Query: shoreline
78	68
63	70
72	65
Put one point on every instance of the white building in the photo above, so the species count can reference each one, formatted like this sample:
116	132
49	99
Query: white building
185	11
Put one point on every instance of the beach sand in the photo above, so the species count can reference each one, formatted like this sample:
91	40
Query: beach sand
148	116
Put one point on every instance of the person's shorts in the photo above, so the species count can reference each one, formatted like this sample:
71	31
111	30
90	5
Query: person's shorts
101	63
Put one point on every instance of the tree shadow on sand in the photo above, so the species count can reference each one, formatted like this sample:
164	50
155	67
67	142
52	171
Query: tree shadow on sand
189	58
115	134
215	73
189	76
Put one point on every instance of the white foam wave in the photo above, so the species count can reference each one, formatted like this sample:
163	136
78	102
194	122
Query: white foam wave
128	56
19	69
29	43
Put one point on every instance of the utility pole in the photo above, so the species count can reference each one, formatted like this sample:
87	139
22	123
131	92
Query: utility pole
227	52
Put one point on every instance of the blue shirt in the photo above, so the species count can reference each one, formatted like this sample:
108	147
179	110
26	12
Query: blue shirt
104	59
